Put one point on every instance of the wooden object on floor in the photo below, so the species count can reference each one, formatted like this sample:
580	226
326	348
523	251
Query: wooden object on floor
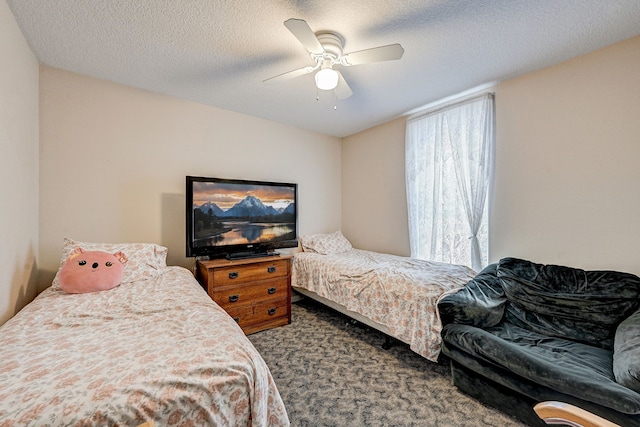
256	292
564	414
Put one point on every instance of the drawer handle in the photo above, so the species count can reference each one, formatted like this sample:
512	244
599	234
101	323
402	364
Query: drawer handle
234	298
271	311
233	275
271	269
271	291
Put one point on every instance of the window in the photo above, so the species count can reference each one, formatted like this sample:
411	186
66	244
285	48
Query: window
449	166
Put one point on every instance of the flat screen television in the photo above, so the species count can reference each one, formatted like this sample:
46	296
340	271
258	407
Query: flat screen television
239	219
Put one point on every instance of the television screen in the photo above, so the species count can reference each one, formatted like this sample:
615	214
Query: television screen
230	216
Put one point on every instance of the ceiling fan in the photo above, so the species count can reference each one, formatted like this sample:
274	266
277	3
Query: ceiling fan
325	48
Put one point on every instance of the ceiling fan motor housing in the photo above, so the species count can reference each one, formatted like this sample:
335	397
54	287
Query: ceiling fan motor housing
332	43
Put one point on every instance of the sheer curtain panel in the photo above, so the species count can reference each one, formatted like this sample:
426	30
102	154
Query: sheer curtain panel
449	168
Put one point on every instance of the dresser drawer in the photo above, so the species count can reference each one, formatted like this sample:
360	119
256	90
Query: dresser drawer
242	314
265	270
248	292
247	315
259	271
270	310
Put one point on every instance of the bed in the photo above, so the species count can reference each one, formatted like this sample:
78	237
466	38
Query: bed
396	295
156	347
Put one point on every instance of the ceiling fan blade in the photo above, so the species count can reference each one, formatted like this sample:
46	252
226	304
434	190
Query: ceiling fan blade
343	91
377	54
289	75
301	30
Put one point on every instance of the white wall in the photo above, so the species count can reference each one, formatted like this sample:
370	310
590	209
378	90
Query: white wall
568	162
114	160
374	200
567	167
18	168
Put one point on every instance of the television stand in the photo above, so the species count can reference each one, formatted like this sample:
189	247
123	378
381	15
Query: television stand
248	255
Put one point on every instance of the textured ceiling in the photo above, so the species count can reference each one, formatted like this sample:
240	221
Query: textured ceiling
218	52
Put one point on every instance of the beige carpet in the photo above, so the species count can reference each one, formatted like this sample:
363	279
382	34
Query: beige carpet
332	372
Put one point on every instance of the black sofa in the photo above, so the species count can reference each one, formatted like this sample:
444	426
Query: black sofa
521	333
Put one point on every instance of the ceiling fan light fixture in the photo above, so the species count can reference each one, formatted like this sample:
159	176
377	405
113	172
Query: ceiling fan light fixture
327	79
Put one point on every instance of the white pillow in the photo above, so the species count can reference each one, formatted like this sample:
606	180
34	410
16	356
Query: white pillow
145	259
325	244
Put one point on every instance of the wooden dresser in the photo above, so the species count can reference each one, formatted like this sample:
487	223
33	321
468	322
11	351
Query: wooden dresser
256	292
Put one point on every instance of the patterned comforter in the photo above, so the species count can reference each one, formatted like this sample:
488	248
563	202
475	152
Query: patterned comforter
158	349
398	292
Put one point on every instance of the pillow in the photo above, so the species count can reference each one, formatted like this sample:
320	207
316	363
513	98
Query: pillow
145	259
626	353
91	271
325	244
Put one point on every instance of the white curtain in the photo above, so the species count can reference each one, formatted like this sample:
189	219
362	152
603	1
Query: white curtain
449	168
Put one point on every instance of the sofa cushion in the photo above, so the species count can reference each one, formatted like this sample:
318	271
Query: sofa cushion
566	302
626	352
568	367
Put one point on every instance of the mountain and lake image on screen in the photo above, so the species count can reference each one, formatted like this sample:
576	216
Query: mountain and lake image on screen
238	214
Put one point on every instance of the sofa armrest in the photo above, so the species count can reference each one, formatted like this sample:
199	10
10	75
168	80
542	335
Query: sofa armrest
626	352
480	303
552	412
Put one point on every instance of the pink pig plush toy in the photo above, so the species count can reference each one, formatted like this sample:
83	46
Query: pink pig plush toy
91	271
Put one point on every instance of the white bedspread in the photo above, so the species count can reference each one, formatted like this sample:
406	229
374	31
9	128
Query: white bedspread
398	292
158	349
